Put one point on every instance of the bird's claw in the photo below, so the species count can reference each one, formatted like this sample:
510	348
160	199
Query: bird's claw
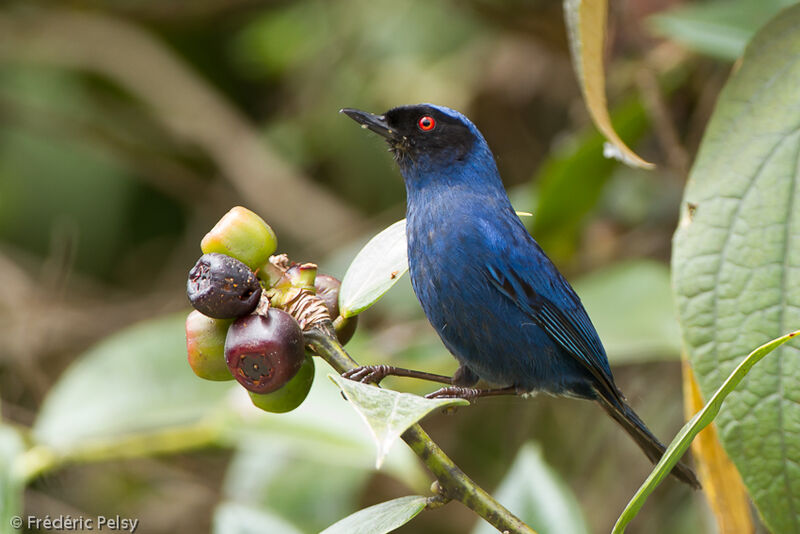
368	374
455	392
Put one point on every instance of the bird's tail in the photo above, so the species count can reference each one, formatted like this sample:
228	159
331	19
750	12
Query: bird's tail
627	418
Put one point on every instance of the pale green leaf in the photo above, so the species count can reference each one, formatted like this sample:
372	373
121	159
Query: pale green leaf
375	269
538	496
137	380
11	480
381	518
736	265
235	518
631	306
586	29
701	419
389	413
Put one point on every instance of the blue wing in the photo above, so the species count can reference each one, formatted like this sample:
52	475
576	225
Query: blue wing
567	323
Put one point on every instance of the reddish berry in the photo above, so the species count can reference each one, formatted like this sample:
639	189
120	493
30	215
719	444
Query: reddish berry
205	346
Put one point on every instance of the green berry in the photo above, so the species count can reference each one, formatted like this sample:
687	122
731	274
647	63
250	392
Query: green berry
243	235
292	394
205	345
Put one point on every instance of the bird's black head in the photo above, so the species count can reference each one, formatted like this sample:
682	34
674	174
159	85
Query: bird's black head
422	133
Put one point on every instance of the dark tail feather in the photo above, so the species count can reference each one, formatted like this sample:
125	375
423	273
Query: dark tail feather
645	439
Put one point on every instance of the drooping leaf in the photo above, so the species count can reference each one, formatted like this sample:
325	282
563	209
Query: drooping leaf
381	518
586	26
137	380
389	413
538	496
720	28
736	265
235	518
631	306
11	483
685	436
375	269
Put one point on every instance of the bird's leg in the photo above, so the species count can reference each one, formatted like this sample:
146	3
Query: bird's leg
373	374
456	392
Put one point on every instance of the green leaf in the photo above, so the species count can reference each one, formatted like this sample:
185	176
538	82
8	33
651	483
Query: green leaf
11	480
381	518
375	269
736	265
631	306
538	496
586	28
235	518
389	413
684	438
720	29
137	380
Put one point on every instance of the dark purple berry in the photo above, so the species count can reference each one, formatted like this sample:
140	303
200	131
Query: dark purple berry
328	290
222	287
263	352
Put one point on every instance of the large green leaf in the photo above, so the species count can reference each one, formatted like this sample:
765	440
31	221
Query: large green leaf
381	518
537	495
388	413
701	419
736	265
137	380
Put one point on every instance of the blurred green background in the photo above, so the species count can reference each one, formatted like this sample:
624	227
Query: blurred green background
128	127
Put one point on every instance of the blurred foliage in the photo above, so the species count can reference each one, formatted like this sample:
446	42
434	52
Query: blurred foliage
104	199
718	28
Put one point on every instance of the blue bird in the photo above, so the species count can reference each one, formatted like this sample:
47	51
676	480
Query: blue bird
496	300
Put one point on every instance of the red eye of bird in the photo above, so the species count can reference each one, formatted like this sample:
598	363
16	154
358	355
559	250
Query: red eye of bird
426	123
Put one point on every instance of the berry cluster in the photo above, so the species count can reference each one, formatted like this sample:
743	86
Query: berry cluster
250	311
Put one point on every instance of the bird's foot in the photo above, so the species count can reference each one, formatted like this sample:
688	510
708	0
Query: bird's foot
456	392
369	374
